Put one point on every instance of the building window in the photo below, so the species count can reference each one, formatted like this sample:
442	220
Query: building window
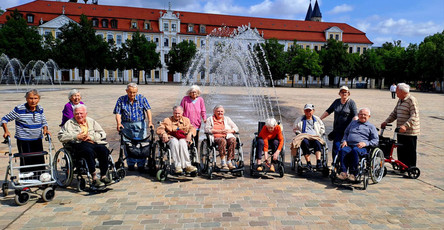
120	75
147	25
134	24
47	32
119	39
364	49
156	74
202	75
30	18
331	36
100	35
173	27
337	36
190	28
148	37
350	49
95	22
165	42
307	47
156	40
148	75
173	41
202	43
202	29
110	38
58	34
165	26
105	23
359	50
114	23
316	48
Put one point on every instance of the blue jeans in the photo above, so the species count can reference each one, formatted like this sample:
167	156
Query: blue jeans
336	145
135	130
306	144
352	163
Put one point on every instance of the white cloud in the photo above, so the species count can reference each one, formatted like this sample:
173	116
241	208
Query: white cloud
283	9
405	27
341	9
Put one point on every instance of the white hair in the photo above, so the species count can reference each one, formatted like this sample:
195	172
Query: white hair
131	85
403	87
194	88
270	122
78	106
177	107
367	109
32	91
217	107
72	92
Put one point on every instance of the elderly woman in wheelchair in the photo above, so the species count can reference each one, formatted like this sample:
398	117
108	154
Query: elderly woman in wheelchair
310	131
177	132
358	154
84	140
270	138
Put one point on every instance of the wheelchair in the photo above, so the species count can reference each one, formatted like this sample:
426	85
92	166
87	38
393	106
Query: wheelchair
280	169
165	164
67	165
299	167
371	166
208	155
144	148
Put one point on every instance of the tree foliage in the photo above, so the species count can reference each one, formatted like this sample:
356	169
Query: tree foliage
304	62
334	59
180	57
274	57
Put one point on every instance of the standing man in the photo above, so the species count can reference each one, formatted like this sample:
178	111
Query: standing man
406	114
393	90
131	111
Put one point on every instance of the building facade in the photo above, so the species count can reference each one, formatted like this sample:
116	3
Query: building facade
168	27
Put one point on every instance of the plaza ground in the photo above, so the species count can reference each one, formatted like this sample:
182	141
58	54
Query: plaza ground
291	202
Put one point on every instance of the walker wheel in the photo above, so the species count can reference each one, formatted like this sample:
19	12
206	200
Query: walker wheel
193	174
281	171
161	175
121	173
5	188
48	194
241	173
395	166
210	172
22	198
299	169
385	172
413	172
365	183
81	184
325	172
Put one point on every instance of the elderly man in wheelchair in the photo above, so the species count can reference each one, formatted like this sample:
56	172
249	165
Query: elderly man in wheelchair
359	138
310	131
87	139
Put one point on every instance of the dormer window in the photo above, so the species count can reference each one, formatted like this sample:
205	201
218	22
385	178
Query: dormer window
30	18
133	24
114	23
165	26
191	28
331	36
173	27
337	36
95	22
105	23
147	25
202	29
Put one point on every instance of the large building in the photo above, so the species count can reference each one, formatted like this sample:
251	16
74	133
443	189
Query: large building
167	27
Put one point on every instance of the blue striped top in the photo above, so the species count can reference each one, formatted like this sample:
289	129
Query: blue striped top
132	112
28	124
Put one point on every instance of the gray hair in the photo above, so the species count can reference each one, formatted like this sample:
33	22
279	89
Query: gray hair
177	107
367	109
78	106
194	88
403	87
131	85
217	107
270	122
32	91
72	92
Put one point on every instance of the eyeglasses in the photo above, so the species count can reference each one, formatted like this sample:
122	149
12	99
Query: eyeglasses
343	92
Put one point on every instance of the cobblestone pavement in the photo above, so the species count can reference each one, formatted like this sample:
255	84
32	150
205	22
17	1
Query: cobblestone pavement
291	202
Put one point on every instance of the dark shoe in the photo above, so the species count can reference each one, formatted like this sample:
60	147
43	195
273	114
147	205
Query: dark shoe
97	183
106	180
141	169
131	168
318	165
309	167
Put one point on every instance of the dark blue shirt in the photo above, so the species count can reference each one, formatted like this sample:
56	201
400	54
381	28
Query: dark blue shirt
361	132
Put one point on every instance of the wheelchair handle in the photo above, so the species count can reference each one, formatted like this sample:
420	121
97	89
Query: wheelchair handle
7	140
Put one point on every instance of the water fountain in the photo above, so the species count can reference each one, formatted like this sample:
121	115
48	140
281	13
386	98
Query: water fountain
12	71
230	58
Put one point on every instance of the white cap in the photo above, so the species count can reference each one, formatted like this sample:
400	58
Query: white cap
343	88
309	106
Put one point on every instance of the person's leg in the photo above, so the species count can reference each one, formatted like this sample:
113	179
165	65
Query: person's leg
336	144
259	150
85	150
231	146
355	159
407	150
173	143
342	155
305	145
102	153
29	147
221	147
317	147
185	156
196	139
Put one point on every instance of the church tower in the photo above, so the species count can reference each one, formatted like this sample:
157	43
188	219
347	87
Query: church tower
315	14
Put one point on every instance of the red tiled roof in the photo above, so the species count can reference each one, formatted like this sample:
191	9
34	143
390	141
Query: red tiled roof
271	28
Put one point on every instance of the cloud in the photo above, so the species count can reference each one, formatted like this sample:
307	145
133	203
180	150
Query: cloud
341	9
405	27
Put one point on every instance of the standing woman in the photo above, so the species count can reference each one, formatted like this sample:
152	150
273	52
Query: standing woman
30	121
194	109
345	111
74	99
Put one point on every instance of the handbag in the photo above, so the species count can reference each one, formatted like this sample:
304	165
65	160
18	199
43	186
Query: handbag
179	134
138	150
331	135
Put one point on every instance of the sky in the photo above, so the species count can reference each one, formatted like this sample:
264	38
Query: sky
409	21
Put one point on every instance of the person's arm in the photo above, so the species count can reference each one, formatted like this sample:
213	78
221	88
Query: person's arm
161	131
7	118
67	113
392	117
324	115
208	125
203	110
353	110
296	127
45	124
5	130
329	110
150	119
99	133
414	115
374	137
234	128
264	135
322	130
66	133
119	122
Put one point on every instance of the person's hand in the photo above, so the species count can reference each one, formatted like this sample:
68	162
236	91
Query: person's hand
188	139
361	145
343	144
402	129
228	131
383	125
6	134
266	155
165	138
119	127
46	132
276	154
83	136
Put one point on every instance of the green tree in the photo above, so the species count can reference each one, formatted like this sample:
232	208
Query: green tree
142	54
275	57
180	57
334	59
18	40
411	70
393	56
430	58
371	64
305	62
352	69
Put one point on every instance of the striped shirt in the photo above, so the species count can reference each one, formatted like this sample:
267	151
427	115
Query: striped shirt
28	124
132	112
406	113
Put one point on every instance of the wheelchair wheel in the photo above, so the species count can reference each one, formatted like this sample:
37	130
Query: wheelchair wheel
161	175
413	172
5	188
48	194
281	170
377	165
204	155
292	163
299	169
63	168
210	172
81	184
22	198
365	181
120	173
325	171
